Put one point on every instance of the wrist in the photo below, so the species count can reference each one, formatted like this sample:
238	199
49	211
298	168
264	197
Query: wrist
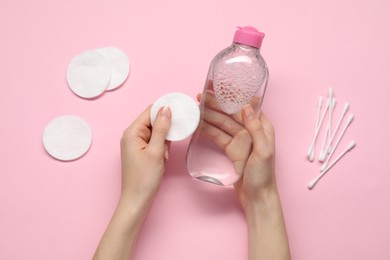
129	214
137	202
139	195
267	235
266	200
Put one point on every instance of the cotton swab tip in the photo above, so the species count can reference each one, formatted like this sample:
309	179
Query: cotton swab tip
350	118
311	157
351	145
327	102
312	184
334	101
346	107
322	156
310	151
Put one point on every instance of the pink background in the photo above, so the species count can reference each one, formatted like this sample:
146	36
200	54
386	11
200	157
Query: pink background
55	210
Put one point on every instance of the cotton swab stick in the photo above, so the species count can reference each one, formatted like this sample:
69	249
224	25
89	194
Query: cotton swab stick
331	112
319	105
349	148
346	107
338	141
311	149
327	135
310	152
323	152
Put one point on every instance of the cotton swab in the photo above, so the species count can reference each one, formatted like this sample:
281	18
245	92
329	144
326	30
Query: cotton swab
338	141
310	152
346	107
349	148
327	136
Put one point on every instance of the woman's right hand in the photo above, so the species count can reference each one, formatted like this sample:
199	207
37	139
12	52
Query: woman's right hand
248	141
258	180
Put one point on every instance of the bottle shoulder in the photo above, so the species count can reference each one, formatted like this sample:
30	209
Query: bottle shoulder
240	60
238	53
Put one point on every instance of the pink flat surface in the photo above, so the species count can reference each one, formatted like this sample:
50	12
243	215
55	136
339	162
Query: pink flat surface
55	210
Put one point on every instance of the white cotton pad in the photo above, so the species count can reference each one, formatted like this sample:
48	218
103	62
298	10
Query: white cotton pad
89	74
120	66
185	115
67	137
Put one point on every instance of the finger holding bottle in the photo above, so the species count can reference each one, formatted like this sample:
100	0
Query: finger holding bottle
259	174
210	101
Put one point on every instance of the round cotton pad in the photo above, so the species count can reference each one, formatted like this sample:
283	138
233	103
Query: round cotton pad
89	74
67	137
185	115
120	66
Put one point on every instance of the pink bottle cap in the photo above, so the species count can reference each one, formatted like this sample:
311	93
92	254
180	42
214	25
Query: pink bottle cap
249	35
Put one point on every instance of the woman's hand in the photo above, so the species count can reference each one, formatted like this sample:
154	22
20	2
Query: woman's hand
259	174
249	142
143	153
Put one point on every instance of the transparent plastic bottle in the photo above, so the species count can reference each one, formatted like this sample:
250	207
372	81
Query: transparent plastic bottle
237	76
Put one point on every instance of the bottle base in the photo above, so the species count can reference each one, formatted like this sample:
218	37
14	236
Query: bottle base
210	180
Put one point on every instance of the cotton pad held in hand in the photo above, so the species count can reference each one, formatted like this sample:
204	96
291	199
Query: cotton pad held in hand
67	137
185	115
120	66
89	74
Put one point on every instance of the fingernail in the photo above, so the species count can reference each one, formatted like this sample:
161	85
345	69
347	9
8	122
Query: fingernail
248	111
165	112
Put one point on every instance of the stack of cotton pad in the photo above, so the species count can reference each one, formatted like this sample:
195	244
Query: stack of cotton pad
185	115
93	72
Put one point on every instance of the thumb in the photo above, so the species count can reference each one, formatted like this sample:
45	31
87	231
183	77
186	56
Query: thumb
160	128
254	126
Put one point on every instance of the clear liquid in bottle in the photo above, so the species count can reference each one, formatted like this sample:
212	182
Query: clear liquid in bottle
237	76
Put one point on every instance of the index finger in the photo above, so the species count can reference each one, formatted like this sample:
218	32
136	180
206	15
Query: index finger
141	126
144	118
209	100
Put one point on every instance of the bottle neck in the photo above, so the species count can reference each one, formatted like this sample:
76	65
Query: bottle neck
245	48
